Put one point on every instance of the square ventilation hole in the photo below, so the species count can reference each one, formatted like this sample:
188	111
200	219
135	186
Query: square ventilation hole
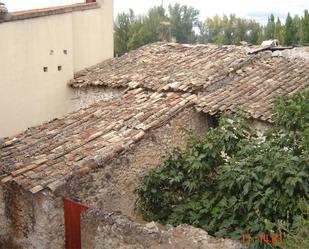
65	51
59	68
45	69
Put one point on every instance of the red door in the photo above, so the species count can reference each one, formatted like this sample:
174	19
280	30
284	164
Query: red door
72	212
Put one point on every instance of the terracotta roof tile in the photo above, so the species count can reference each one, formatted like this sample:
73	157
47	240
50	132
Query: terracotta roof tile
255	91
162	79
226	78
167	66
45	156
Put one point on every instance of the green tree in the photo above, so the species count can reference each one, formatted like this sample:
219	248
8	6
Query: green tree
270	28
305	28
241	31
297	24
182	18
132	31
137	36
123	31
254	32
290	31
212	29
279	31
154	28
203	32
229	30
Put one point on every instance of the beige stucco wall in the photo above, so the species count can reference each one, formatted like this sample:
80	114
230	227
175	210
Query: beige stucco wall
30	96
93	35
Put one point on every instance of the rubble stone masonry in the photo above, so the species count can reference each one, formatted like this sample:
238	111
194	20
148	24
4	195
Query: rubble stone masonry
111	187
34	221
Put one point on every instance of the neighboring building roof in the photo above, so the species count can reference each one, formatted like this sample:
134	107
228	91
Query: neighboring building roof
225	78
165	67
46	156
26	14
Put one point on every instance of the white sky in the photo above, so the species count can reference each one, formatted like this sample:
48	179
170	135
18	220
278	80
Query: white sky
256	9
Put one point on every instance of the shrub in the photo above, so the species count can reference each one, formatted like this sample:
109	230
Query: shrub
298	237
229	182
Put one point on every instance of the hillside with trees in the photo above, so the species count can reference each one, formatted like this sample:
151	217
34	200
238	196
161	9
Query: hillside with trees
180	23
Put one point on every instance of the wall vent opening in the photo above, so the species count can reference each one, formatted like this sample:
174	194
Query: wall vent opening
45	69
59	68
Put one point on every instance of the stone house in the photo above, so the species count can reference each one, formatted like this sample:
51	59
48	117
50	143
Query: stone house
41	49
97	154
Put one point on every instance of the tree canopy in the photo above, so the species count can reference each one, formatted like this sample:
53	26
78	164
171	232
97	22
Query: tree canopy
133	31
182	18
181	23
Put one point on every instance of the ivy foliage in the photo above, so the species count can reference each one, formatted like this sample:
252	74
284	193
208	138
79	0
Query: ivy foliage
231	181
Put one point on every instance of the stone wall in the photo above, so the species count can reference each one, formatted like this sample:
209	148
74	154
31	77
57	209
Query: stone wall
37	221
111	188
260	126
30	221
298	52
3	221
85	96
101	230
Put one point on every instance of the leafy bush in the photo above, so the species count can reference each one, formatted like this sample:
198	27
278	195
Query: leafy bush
230	182
298	238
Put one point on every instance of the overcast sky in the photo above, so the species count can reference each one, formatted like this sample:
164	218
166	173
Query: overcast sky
256	9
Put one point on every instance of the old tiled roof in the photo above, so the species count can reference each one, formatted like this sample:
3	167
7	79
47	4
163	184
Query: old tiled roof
255	86
165	67
225	78
45	156
162	79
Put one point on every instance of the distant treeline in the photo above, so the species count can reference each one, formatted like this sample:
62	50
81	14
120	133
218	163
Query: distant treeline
180	21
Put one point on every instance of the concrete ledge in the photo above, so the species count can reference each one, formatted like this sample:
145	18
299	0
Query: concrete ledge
22	15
